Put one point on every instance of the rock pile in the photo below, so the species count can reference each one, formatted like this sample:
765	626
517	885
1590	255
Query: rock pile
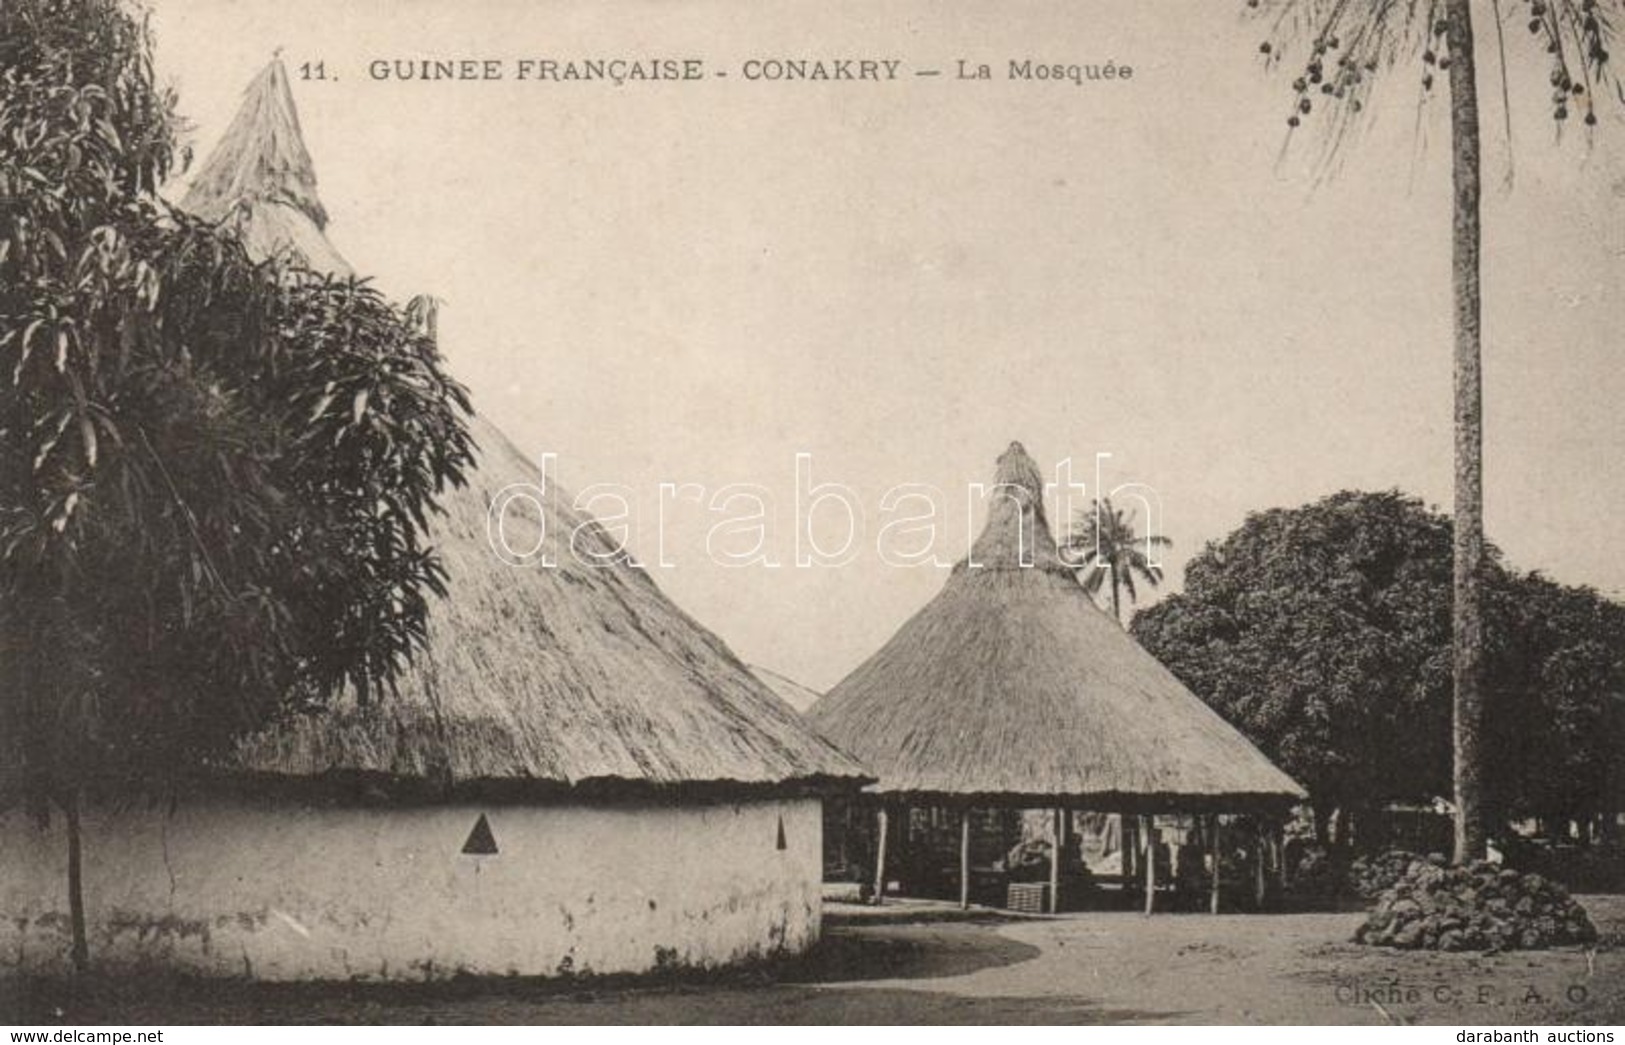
1479	907
1369	876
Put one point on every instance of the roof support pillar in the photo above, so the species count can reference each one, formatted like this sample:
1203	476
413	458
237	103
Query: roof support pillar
1278	850
1055	864
1128	844
1149	830
964	858
1213	852
1260	879
880	856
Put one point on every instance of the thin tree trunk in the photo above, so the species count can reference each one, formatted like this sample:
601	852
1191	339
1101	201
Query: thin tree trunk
1117	609
76	886
1467	626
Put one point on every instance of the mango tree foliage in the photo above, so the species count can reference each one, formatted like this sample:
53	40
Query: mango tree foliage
1323	634
1557	701
215	474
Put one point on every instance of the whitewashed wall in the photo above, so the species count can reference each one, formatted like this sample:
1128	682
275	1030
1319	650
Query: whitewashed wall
283	892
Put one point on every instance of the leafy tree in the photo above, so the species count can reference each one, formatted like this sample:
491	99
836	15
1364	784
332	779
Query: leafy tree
1349	43
1103	542
1323	634
1556	695
214	473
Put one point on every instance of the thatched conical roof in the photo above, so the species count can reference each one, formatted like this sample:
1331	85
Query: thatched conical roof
260	179
572	676
1012	685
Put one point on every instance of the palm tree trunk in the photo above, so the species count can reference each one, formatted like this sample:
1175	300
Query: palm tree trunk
1467	629
76	886
1117	607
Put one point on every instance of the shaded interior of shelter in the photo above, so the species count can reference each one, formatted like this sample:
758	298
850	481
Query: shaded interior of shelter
1004	856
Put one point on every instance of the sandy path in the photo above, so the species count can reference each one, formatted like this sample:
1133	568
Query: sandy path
1282	969
1086	968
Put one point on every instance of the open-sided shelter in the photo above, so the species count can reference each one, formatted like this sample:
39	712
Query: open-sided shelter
1012	690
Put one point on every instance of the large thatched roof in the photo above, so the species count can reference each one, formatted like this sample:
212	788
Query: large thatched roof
1012	685
567	676
260	179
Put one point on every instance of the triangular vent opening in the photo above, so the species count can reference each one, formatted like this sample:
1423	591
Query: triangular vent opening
481	842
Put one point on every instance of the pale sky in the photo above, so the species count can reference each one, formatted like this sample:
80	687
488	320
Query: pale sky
696	282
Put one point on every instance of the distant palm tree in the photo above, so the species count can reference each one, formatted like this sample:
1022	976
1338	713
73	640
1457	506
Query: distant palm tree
1103	542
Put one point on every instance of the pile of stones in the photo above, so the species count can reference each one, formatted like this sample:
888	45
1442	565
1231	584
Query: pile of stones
1482	906
1369	876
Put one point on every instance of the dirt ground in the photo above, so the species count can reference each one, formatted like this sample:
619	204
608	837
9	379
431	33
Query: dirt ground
918	966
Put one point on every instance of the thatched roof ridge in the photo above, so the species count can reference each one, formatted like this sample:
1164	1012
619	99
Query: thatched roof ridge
578	678
787	689
261	180
1012	685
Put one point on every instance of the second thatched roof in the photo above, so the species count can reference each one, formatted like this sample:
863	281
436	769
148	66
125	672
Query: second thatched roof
1011	685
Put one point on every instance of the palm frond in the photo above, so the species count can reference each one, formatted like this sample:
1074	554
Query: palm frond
1341	48
1104	541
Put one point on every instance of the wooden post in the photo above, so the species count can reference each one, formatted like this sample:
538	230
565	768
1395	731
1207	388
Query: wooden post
1213	852
1260	885
964	858
1148	829
1129	843
76	887
880	861
1055	865
1278	847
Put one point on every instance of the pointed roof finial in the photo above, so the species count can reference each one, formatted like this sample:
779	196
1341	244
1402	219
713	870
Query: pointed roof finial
261	178
261	157
1017	534
1016	468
